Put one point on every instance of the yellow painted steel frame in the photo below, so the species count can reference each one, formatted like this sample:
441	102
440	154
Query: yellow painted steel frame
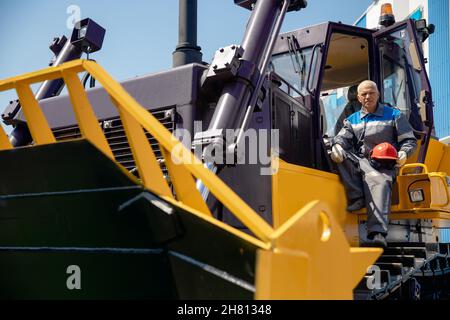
307	256
312	243
435	188
294	186
437	159
436	191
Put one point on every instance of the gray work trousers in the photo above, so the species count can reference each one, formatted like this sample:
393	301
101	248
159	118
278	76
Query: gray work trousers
373	185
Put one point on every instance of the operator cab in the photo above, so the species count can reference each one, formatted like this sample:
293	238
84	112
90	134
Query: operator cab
324	64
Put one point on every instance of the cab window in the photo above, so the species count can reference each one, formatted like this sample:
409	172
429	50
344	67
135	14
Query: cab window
400	74
293	67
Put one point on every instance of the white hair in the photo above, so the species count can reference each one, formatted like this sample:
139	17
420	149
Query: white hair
367	83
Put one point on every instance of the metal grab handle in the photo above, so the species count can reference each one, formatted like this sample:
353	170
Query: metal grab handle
414	165
313	55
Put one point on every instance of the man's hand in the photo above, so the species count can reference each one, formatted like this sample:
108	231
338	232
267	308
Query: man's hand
401	158
337	153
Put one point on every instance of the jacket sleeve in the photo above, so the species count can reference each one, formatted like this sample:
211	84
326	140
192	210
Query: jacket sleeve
345	137
405	136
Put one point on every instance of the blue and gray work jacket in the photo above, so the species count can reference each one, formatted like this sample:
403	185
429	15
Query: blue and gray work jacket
362	131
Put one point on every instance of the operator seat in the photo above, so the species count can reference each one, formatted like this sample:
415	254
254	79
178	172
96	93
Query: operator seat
352	106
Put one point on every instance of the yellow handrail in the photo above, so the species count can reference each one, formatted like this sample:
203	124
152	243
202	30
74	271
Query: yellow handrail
414	165
134	119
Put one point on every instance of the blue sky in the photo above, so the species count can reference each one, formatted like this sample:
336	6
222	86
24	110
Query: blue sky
141	34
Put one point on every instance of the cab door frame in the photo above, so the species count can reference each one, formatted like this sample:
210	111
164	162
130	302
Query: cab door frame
428	123
322	159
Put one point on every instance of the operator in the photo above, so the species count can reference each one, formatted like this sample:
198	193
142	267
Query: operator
373	136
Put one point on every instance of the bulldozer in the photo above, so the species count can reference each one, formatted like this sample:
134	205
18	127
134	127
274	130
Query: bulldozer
150	188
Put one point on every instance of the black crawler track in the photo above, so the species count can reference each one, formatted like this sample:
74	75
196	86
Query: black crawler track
408	271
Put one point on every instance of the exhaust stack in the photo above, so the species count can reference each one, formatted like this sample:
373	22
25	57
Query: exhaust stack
187	50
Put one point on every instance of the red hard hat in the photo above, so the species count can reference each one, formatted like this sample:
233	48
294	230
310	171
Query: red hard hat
384	151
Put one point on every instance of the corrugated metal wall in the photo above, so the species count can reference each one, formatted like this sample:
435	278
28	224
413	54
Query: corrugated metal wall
362	22
445	236
440	64
438	14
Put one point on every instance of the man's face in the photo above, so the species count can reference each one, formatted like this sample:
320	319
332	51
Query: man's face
368	96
